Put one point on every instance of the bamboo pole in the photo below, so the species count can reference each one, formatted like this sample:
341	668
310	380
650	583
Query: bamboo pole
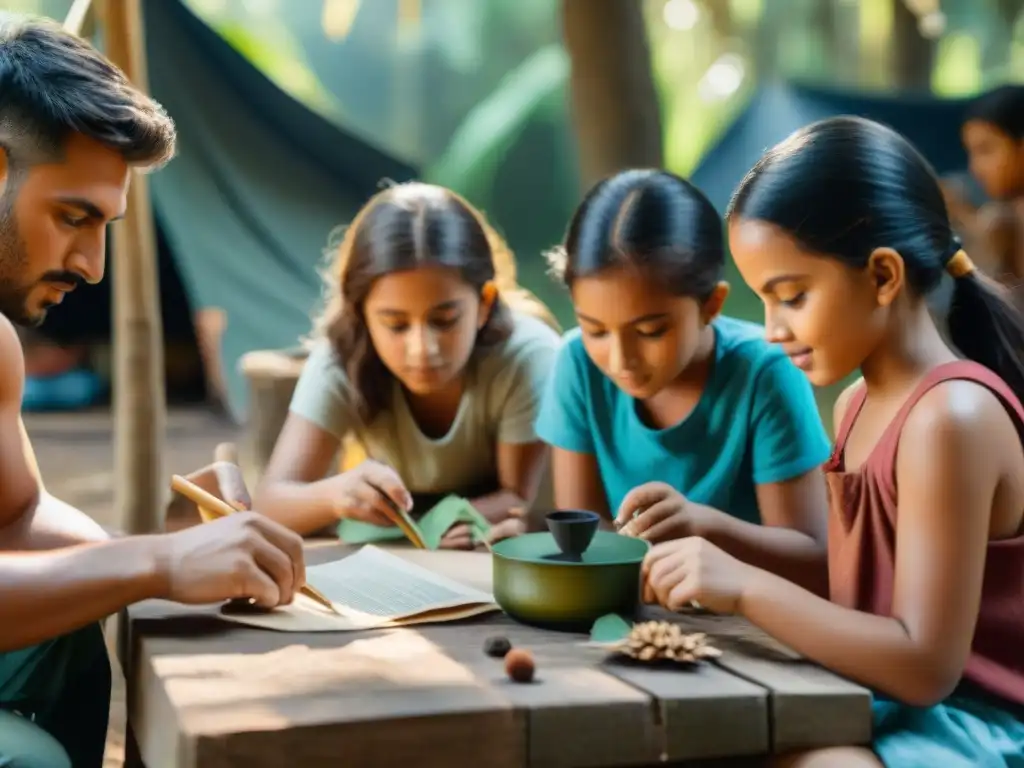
78	13
140	410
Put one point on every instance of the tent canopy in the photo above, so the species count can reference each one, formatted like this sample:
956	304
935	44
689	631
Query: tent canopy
259	183
245	210
777	109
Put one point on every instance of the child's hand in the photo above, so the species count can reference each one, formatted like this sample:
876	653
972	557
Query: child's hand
657	512
677	573
224	480
513	525
459	536
363	493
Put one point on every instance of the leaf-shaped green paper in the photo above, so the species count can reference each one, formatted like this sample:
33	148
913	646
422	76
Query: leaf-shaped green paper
432	526
610	628
448	512
358	532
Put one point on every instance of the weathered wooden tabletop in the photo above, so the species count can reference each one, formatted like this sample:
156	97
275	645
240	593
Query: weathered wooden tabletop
205	693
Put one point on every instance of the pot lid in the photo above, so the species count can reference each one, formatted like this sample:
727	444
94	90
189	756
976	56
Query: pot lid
607	548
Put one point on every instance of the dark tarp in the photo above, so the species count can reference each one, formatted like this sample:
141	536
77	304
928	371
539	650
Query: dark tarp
259	183
932	124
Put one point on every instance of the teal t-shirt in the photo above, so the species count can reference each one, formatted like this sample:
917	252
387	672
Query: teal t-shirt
756	422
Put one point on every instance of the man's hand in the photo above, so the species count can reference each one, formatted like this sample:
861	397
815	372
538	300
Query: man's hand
245	555
241	556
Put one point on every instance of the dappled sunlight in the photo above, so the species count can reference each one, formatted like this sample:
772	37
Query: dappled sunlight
398	660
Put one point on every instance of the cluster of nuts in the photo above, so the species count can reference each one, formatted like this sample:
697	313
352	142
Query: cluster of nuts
662	640
519	665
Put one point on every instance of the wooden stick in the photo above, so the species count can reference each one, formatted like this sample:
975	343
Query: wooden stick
401	520
140	408
74	22
220	508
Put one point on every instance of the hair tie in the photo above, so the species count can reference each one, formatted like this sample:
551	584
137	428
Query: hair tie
960	264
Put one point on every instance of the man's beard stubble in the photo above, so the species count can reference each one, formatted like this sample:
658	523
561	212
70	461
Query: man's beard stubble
14	262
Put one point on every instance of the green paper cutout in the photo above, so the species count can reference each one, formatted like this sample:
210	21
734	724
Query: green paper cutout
358	532
610	628
432	526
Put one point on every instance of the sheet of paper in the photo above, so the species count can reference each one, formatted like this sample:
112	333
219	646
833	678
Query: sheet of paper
373	588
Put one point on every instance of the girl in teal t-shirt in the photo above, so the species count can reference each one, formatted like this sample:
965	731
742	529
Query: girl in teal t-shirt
662	414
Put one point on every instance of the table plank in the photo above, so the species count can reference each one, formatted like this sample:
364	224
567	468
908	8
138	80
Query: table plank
810	706
376	698
570	695
239	694
704	712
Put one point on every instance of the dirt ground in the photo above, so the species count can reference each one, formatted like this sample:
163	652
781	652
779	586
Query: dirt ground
76	456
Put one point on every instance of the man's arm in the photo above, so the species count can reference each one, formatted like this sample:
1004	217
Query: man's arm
30	518
51	524
47	594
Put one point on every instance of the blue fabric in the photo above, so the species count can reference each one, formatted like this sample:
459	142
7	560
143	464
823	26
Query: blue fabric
23	744
67	391
756	422
54	702
964	731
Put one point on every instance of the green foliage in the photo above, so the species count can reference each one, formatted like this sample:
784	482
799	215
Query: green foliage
280	58
535	90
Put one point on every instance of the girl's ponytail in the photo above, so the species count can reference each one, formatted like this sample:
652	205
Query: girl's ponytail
985	324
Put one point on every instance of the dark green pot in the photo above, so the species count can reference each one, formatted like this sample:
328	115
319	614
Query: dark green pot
536	584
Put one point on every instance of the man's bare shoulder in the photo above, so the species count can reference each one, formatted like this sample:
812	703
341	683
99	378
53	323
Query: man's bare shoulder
12	364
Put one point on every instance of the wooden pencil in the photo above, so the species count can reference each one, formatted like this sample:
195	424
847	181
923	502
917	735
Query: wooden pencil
214	507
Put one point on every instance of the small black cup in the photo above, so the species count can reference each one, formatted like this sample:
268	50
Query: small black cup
573	530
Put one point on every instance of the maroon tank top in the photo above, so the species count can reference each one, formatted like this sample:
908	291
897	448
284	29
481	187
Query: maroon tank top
862	540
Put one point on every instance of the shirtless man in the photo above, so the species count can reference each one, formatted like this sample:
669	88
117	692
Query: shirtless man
71	128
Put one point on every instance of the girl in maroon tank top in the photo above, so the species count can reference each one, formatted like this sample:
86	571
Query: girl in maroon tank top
842	231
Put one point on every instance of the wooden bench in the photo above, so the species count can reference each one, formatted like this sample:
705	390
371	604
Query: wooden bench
203	693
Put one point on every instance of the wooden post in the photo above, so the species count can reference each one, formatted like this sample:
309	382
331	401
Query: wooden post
140	410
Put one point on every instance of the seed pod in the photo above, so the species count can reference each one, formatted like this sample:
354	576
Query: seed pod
519	665
497	646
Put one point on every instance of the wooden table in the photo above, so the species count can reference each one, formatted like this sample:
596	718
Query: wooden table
202	692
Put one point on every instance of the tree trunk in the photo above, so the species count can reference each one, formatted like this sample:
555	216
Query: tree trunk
139	401
614	103
912	54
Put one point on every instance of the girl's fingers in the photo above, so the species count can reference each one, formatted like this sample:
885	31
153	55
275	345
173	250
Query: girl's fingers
666	581
652	517
682	595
